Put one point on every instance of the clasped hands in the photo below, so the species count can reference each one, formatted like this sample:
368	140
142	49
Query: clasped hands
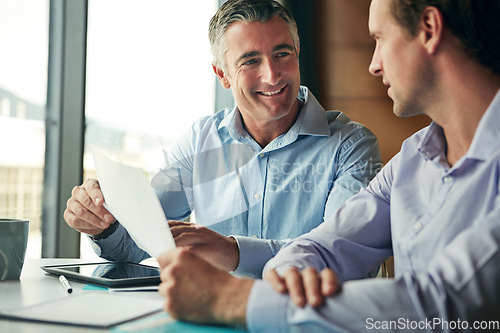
197	291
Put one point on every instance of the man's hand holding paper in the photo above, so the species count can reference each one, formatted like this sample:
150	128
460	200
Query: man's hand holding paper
132	201
85	211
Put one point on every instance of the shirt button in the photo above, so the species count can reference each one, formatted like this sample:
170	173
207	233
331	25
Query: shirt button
261	154
448	179
256	196
417	226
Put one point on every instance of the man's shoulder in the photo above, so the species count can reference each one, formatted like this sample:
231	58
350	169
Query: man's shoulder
339	123
418	138
213	120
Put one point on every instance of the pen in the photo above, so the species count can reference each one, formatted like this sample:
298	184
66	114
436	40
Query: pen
65	284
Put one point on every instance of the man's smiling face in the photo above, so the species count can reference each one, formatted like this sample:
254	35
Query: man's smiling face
262	70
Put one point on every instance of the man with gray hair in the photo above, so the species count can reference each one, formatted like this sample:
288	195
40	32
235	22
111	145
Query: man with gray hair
255	175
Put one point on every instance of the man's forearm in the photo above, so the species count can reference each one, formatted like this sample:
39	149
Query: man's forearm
231	305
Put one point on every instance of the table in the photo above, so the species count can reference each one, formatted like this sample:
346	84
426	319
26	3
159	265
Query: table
35	286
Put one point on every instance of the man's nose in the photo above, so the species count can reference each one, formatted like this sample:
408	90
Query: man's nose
270	72
375	67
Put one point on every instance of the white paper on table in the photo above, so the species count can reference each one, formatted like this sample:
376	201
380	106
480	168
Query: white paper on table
90	309
133	202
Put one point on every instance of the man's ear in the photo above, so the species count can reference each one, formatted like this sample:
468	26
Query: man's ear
432	28
221	76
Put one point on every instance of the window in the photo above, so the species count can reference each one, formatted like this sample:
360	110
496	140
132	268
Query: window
24	30
149	77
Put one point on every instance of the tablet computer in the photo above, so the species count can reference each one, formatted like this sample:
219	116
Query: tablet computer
108	274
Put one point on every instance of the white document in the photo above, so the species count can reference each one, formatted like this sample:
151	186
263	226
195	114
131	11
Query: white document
133	202
93	309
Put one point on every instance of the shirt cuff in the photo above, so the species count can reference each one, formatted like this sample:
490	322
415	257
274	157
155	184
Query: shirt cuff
266	309
254	254
104	246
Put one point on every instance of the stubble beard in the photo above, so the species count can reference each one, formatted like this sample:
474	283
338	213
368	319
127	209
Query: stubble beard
420	99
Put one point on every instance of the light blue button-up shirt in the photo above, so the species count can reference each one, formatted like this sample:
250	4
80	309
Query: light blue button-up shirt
441	223
262	196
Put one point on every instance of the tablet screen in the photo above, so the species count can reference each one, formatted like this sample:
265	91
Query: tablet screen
109	274
113	270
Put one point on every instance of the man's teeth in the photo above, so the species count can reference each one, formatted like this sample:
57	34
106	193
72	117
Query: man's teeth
270	93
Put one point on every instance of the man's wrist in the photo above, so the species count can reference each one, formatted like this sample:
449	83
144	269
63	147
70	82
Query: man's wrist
232	301
234	261
106	232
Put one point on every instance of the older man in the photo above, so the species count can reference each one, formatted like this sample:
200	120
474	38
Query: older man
256	175
435	206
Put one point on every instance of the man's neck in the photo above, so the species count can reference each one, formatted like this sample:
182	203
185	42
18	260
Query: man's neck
461	108
266	131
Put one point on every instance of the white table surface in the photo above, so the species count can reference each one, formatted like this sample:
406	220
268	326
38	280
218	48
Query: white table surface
35	286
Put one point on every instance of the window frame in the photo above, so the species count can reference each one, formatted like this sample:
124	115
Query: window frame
65	124
65	121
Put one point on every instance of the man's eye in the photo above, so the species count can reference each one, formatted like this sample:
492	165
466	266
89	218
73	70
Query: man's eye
250	62
282	54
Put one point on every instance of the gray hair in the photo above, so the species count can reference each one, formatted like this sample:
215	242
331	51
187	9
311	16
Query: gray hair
245	11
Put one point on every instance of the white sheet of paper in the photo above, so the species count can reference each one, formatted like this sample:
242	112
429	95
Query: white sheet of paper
132	201
93	309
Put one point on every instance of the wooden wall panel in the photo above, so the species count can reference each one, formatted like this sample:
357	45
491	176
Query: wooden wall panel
377	115
345	83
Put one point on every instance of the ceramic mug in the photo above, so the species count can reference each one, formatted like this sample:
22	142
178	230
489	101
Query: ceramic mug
13	241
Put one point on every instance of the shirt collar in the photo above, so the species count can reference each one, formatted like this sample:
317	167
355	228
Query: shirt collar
231	125
433	143
311	120
487	136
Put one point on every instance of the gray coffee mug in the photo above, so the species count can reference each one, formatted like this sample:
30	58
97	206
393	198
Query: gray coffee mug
13	241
